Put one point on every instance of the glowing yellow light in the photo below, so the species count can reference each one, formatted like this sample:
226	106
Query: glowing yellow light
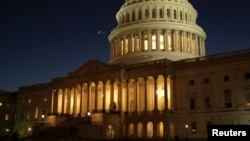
29	129
160	92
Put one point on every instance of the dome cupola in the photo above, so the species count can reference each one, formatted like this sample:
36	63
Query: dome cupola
150	30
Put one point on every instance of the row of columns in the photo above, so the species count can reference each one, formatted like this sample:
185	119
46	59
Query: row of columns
110	96
158	40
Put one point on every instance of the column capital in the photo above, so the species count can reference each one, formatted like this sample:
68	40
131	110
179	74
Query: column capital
155	77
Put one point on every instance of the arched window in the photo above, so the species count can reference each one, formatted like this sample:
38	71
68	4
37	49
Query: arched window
160	129
139	15
140	130
161	13
146	14
131	130
123	19
168	13
181	18
150	130
154	13
6	117
36	112
127	18
175	15
133	16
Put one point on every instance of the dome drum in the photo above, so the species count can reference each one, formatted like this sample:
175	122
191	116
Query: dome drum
162	41
156	28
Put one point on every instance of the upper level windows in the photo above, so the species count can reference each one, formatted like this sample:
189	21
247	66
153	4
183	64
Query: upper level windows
192	103
154	13
246	92
168	13
226	78
247	75
206	80
161	13
181	17
207	102
175	15
227	99
191	82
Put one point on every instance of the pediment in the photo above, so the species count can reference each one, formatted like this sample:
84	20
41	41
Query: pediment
92	68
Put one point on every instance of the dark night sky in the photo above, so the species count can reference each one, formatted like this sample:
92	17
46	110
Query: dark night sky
45	39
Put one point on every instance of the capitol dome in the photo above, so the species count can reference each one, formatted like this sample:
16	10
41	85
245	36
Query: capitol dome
150	30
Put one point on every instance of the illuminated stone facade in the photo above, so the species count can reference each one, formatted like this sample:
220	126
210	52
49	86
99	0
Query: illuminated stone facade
158	84
155	29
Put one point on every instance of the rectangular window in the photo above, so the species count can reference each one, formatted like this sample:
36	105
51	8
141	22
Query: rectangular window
206	80
207	103
191	82
192	103
168	13
227	99
193	127
147	14
154	13
180	15
161	13
208	123
175	17
247	75
228	105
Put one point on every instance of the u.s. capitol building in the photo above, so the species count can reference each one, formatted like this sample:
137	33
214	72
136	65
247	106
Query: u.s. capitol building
158	83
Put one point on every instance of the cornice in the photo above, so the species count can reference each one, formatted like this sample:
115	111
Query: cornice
145	25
